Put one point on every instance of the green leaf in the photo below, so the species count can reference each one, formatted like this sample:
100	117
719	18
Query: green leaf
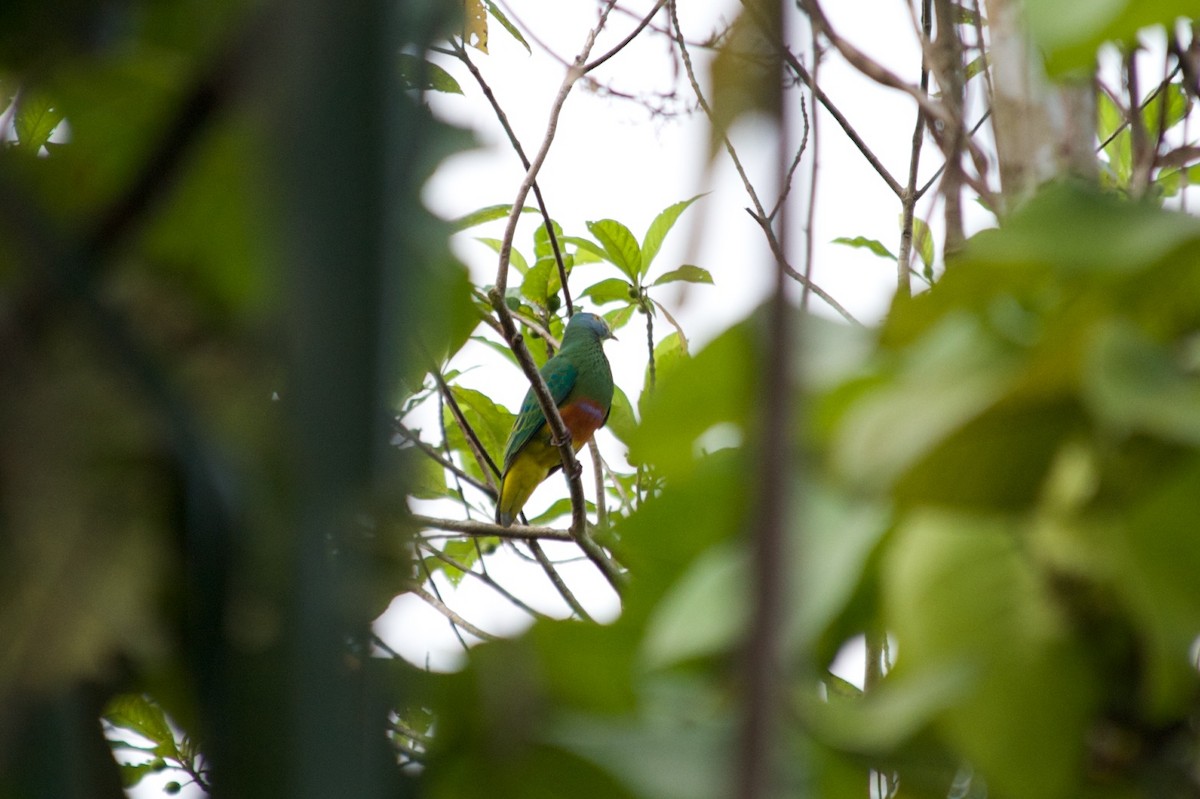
132	773
619	318
949	377
515	259
669	353
687	273
536	285
659	229
558	509
923	242
1153	555
418	73
495	11
960	591
610	290
1133	384
861	242
704	613
491	423
36	118
142	715
1069	34
542	247
741	83
715	386
620	417
620	247
489	214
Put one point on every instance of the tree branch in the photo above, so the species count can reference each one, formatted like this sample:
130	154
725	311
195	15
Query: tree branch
488	529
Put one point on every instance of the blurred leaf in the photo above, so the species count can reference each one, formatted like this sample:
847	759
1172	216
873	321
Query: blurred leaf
948	378
541	240
536	285
716	385
675	753
558	509
619	318
489	214
132	773
658	231
669	352
475	31
620	247
687	273
419	73
1154	554
1133	385
515	259
491	423
1069	34
620	417
37	117
704	613
861	242
495	11
745	78
960	593
923	241
609	290
141	715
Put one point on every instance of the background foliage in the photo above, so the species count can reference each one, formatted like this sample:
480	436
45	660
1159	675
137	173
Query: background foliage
232	426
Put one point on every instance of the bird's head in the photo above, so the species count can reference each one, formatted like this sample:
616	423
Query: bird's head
590	322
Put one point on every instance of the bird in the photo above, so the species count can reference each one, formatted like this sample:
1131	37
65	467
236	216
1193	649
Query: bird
580	382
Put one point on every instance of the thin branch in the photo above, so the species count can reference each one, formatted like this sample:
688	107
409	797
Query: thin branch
437	595
908	200
801	72
454	618
870	67
481	454
488	529
559	584
625	42
485	578
547	222
777	251
811	211
450	466
598	476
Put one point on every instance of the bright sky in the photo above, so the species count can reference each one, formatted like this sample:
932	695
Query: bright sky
612	157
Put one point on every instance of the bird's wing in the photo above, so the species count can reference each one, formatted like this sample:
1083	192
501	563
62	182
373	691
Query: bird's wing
559	375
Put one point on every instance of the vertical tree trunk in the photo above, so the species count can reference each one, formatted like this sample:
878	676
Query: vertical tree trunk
1043	130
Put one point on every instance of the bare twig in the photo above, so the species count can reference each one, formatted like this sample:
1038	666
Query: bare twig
558	581
436	596
486	464
758	213
483	577
488	529
908	200
625	42
598	476
448	465
454	618
547	222
777	251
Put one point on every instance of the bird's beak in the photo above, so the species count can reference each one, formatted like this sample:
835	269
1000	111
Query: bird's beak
612	335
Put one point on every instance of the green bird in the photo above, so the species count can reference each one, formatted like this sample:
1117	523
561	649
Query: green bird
580	381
